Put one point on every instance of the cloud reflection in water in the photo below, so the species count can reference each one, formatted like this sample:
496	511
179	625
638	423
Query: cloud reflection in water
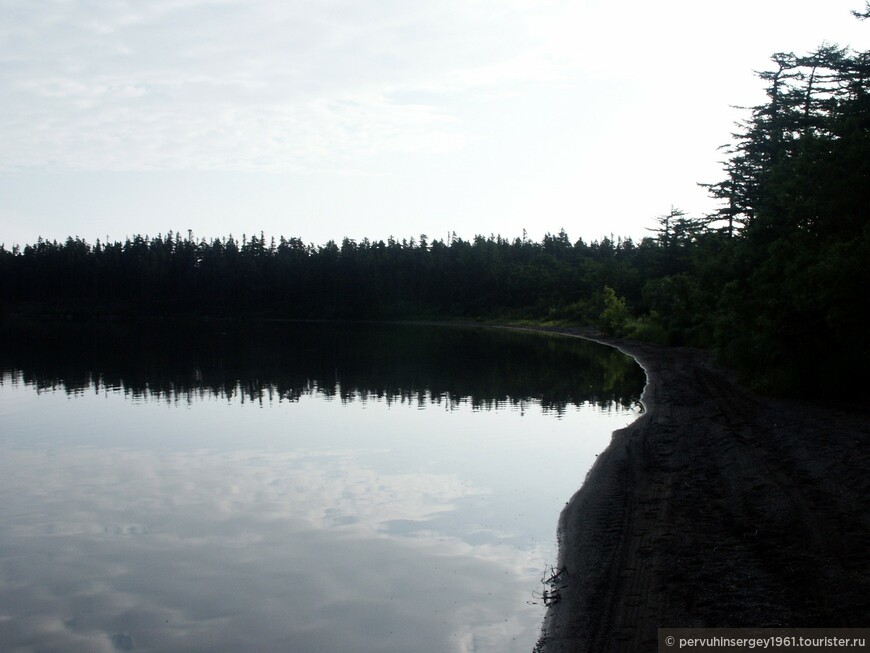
313	525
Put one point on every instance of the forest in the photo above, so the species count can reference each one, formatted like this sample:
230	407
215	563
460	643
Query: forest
774	281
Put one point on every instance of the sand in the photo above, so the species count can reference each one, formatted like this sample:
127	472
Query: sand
716	508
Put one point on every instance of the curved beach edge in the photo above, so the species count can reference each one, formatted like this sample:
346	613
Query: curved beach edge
715	508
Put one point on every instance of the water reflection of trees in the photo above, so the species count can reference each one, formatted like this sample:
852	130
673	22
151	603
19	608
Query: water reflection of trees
283	361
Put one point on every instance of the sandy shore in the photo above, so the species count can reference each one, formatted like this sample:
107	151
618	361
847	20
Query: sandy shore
715	508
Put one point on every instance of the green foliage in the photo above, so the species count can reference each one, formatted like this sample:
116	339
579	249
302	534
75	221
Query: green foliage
579	312
616	316
682	307
649	328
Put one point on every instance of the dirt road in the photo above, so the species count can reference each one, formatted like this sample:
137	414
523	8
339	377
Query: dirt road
715	508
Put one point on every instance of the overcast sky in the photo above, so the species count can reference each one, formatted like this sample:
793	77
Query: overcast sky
330	118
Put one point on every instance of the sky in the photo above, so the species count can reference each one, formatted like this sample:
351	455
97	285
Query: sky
325	119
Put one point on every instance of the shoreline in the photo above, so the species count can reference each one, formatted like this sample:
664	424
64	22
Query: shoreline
715	508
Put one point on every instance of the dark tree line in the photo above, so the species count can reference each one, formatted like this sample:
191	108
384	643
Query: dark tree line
175	275
775	280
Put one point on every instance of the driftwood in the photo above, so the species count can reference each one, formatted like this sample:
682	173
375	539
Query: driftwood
554	582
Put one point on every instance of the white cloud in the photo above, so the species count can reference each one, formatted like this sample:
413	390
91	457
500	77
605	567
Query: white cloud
475	112
245	550
228	85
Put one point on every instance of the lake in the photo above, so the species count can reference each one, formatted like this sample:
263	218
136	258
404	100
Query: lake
301	487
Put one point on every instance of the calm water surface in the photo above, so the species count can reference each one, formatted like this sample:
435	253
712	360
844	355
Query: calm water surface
305	488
